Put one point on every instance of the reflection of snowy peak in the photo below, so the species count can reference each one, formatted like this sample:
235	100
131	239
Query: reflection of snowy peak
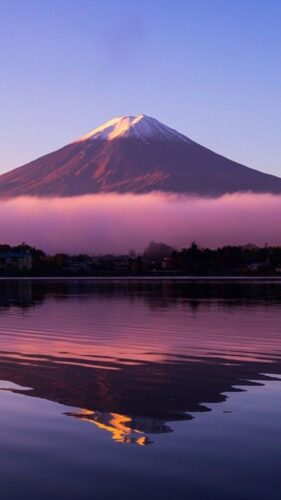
134	127
135	154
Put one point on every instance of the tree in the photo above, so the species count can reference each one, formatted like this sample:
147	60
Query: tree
158	250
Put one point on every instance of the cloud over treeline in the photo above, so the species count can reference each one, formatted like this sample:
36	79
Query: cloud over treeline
113	223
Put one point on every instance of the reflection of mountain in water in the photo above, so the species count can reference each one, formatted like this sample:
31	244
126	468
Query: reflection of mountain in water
136	401
139	394
124	429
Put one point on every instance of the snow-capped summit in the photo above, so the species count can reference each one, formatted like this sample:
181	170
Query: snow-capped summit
134	154
136	127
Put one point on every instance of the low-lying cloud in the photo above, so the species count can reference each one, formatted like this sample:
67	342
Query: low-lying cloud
113	223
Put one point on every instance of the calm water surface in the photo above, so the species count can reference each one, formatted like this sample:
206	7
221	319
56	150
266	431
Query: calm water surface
140	389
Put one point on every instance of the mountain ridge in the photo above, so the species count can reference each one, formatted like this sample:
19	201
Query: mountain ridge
136	154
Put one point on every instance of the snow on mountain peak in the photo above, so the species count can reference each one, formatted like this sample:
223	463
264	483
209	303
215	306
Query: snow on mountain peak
137	127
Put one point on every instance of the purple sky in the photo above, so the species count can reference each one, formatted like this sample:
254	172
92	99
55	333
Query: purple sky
209	68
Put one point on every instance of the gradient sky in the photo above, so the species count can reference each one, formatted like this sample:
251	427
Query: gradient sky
209	68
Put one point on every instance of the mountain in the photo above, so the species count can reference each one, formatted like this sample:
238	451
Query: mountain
134	154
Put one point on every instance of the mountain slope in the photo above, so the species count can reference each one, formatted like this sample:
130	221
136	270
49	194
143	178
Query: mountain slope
134	154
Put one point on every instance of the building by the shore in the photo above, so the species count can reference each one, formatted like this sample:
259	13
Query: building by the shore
16	259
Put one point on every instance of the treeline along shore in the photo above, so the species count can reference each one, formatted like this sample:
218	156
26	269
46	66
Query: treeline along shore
158	259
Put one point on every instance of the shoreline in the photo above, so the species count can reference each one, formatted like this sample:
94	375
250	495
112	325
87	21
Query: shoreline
143	278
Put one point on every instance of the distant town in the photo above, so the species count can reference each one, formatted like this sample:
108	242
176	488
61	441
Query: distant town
158	259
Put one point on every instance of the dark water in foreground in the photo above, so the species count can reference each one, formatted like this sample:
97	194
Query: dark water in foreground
143	390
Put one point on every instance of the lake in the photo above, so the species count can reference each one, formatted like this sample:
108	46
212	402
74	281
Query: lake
143	389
